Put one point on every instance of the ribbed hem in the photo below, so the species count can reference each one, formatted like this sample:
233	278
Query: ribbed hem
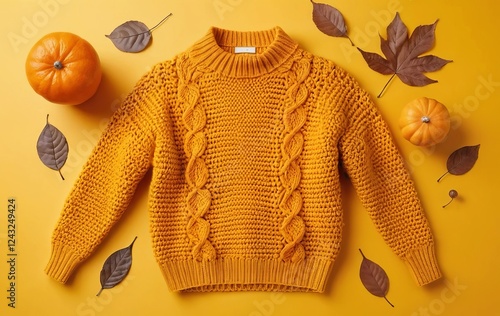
423	264
62	262
274	48
310	275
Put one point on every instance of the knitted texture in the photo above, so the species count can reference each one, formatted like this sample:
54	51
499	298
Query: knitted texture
195	143
294	118
244	152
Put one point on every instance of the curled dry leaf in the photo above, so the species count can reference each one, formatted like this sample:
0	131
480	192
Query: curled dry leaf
374	278
133	36
52	147
402	54
116	267
329	20
461	160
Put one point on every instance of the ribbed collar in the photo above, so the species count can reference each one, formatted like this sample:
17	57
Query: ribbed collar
216	51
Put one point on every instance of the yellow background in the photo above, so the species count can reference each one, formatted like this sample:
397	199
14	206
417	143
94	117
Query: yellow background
467	234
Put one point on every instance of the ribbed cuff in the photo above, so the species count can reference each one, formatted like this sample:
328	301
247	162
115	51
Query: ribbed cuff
62	262
423	264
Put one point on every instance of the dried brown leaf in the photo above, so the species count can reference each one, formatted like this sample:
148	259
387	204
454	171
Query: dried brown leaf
397	34
329	20
116	267
133	36
374	278
52	147
402	54
461	160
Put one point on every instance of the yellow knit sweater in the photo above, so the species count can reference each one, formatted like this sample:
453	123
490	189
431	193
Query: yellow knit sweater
245	151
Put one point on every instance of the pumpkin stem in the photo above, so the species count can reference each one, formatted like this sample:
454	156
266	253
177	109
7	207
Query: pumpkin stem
425	119
58	65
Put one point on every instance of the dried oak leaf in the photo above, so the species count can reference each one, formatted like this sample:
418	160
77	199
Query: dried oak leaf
329	20
461	160
402	54
133	36
116	267
52	147
374	278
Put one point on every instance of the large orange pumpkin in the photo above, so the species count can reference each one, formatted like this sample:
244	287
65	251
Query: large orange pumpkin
424	122
63	68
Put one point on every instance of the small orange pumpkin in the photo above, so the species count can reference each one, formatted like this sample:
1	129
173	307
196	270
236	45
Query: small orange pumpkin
424	122
63	68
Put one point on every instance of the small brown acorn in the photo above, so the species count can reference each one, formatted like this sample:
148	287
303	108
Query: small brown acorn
453	195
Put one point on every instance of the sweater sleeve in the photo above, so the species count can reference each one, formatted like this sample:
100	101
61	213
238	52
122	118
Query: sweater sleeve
108	180
383	184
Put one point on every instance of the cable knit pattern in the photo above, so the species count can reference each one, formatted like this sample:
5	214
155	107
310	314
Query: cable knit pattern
294	118
244	153
195	143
